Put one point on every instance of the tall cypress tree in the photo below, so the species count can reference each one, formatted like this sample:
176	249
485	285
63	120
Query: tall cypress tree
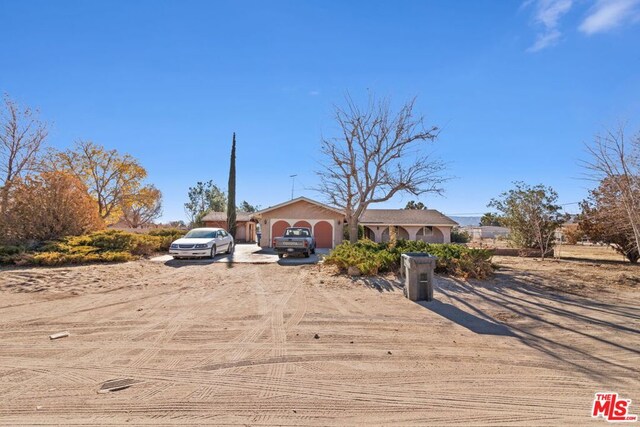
231	198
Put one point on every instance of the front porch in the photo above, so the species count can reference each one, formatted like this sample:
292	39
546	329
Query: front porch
429	234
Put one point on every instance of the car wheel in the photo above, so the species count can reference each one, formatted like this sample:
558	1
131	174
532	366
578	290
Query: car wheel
230	248
280	256
213	252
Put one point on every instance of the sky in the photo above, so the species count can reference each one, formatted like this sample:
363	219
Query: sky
516	87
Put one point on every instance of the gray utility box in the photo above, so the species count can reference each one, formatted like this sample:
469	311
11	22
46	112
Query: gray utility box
417	268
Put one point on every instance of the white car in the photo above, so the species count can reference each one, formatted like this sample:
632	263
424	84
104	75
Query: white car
202	242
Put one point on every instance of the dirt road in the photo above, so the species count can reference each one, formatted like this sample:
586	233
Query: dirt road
266	344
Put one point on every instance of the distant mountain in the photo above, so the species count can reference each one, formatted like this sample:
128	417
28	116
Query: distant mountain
466	220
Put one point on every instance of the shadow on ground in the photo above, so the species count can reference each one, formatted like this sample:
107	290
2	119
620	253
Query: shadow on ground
178	263
566	327
471	322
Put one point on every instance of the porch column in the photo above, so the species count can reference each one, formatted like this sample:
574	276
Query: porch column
413	232
377	231
446	234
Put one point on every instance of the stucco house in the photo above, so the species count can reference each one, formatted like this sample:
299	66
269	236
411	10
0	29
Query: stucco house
245	224
428	225
327	223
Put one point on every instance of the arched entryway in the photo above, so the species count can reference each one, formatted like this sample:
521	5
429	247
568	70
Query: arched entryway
323	232
303	224
430	234
369	234
401	234
277	229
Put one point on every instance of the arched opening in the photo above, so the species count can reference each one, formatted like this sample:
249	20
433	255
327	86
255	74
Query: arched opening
401	234
369	234
277	229
323	232
430	234
303	224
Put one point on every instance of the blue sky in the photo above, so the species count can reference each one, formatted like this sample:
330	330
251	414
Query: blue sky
517	87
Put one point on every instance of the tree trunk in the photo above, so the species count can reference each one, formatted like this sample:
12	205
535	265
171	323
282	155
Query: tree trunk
353	231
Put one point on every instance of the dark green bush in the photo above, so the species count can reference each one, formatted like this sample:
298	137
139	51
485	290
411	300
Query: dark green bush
167	236
11	250
372	258
460	236
167	232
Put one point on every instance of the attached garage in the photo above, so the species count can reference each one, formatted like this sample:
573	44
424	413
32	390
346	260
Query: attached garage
323	232
326	222
278	227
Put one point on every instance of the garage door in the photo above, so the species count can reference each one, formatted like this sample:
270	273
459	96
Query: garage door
303	224
323	232
277	229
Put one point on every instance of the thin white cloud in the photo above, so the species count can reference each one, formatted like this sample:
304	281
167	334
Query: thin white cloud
314	93
547	15
609	14
544	40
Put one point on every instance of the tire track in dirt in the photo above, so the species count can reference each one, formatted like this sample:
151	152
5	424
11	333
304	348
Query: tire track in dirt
279	334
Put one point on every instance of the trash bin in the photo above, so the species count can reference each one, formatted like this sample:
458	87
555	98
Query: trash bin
417	268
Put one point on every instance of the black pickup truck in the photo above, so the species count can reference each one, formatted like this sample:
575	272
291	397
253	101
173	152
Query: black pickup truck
295	240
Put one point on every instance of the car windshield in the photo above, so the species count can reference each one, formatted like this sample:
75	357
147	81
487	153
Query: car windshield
200	234
296	232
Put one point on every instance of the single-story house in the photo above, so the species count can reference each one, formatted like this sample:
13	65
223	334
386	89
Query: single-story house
327	223
428	225
245	224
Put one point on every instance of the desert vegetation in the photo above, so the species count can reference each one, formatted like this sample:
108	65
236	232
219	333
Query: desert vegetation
371	258
100	246
54	205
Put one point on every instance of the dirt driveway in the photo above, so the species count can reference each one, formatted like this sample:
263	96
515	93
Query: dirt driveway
265	344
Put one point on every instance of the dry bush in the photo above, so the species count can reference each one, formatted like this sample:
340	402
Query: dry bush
49	206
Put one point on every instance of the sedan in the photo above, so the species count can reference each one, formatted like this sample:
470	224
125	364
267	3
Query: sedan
202	242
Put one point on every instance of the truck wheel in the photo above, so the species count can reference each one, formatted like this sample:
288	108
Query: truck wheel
280	256
306	254
313	251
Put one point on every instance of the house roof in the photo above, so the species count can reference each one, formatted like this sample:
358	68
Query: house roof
222	216
405	217
299	199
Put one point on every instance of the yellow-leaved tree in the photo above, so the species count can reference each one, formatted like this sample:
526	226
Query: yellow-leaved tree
143	207
112	179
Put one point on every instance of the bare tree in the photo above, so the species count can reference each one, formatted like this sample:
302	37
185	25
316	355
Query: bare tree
378	154
21	136
618	163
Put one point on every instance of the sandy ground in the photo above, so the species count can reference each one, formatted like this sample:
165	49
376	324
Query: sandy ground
208	343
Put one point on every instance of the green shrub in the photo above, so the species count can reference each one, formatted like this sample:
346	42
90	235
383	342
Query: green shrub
167	232
117	241
10	250
167	236
372	258
102	246
460	236
57	258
